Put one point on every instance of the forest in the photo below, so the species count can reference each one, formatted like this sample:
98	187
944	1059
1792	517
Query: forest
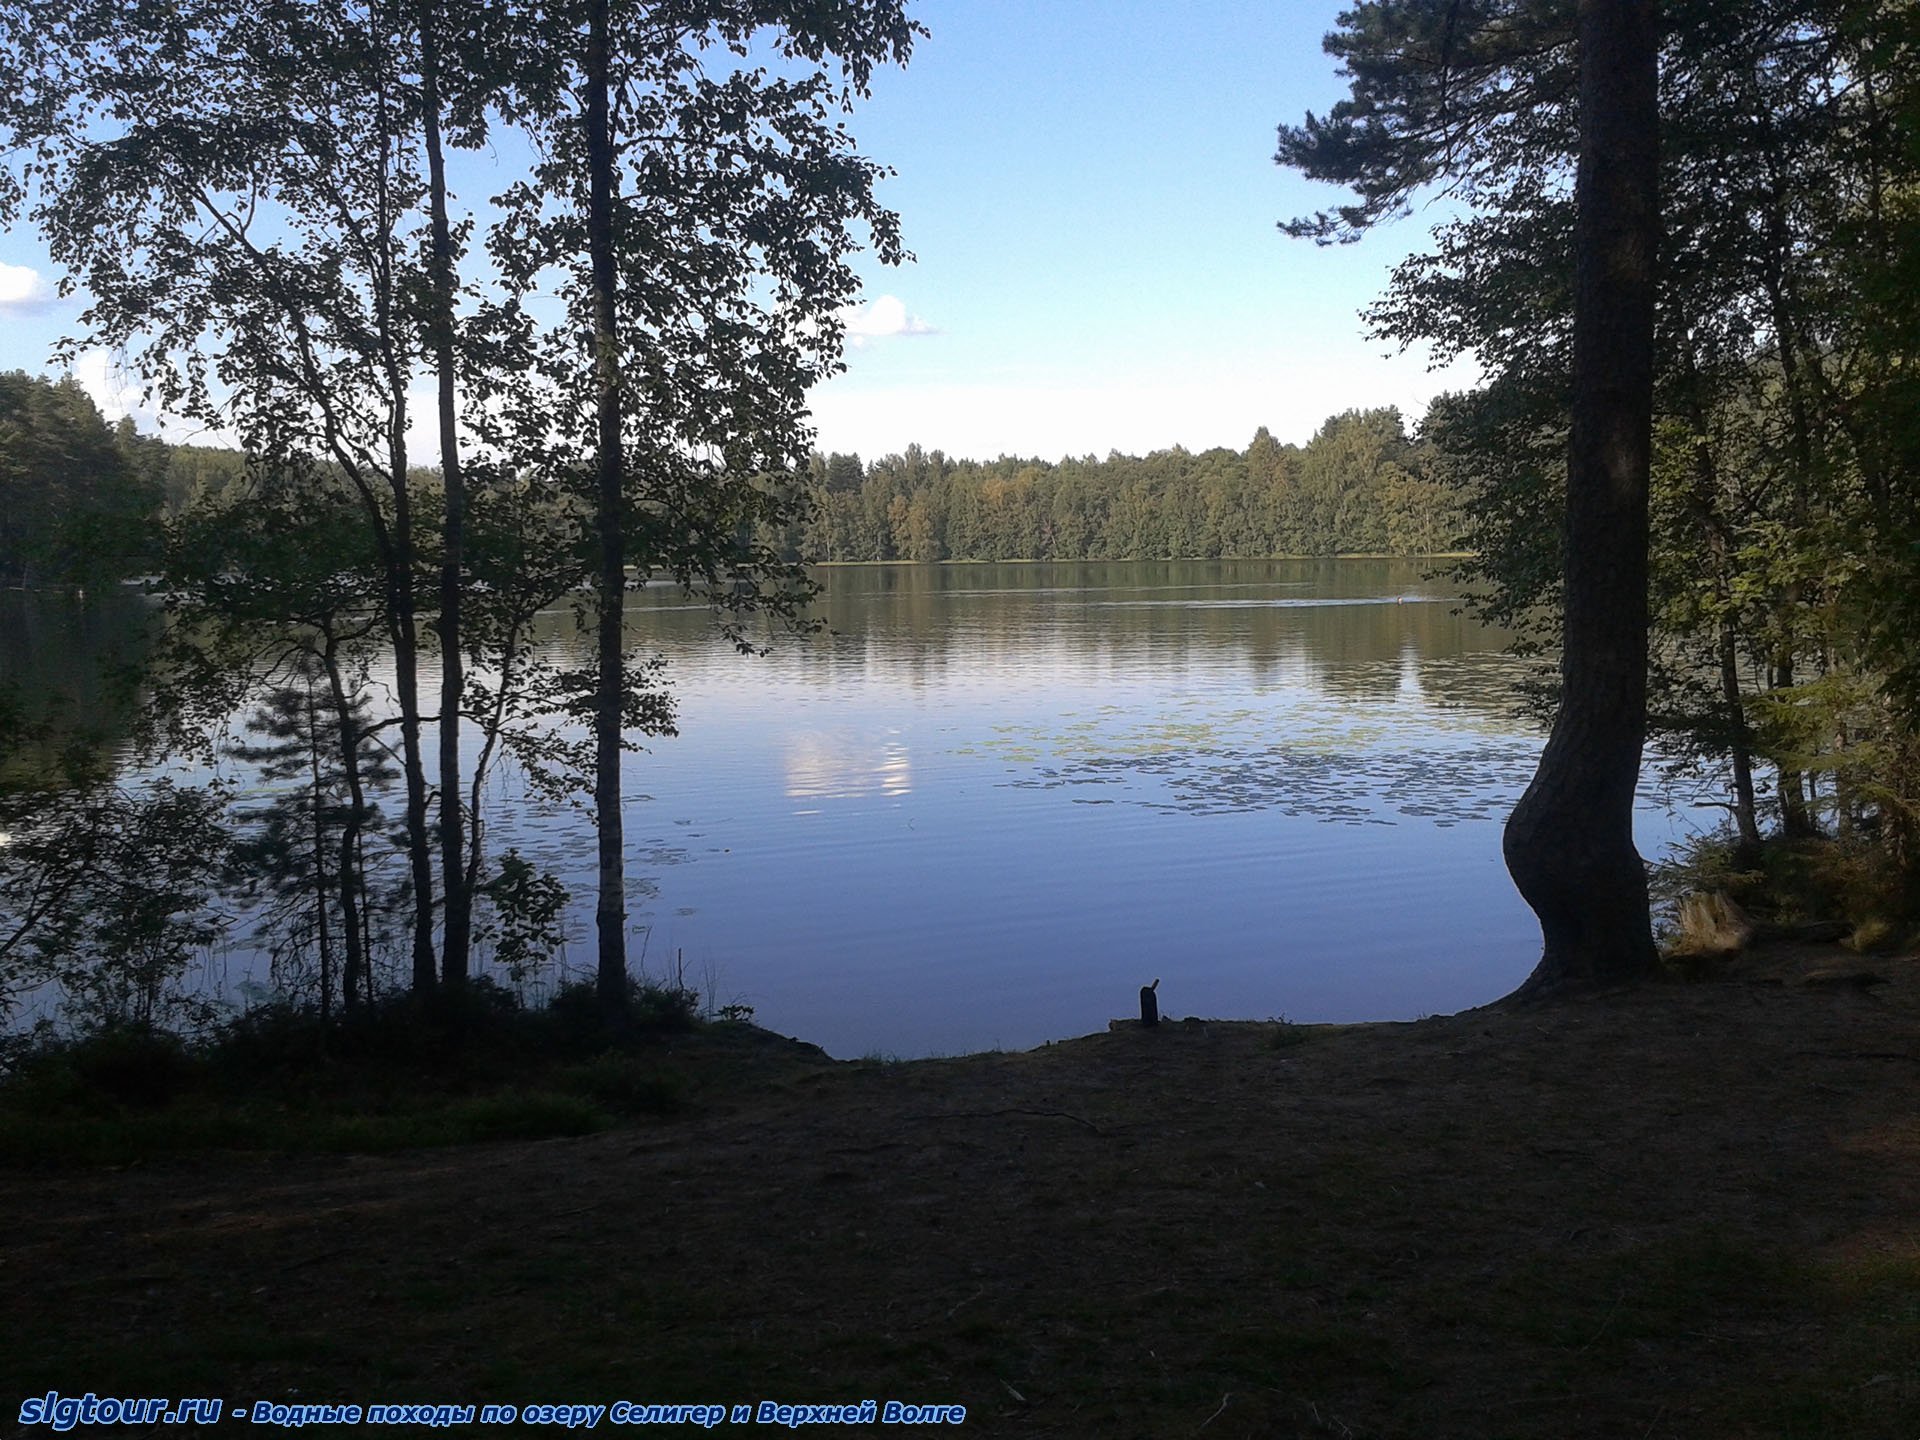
83	497
1778	524
1359	486
1657	1190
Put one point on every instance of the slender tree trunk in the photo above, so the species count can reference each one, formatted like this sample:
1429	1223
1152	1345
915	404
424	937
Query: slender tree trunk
1746	815
398	555
457	912
316	788
1796	814
1713	530
1796	819
1569	842
401	612
611	912
351	870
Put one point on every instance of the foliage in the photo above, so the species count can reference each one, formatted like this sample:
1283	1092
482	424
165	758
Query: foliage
1360	485
1785	500
304	848
527	923
108	894
466	1065
1795	881
75	495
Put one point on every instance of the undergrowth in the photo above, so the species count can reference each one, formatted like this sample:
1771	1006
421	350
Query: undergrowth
1794	881
466	1064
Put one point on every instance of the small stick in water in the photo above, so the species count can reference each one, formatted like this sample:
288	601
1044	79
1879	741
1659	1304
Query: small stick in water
1149	1004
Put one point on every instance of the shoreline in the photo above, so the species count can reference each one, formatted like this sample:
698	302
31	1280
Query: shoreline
1683	1209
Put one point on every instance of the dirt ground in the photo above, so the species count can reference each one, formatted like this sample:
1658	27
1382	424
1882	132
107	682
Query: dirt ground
1685	1210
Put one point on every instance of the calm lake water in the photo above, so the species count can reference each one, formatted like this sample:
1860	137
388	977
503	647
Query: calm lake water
996	800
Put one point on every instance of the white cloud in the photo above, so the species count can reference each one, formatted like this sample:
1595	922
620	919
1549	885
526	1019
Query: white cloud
884	317
112	389
1291	395
120	394
23	289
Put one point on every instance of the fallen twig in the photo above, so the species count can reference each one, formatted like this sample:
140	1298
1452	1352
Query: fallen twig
968	1301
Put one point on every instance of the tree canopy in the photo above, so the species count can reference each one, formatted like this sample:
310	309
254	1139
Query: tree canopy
1784	500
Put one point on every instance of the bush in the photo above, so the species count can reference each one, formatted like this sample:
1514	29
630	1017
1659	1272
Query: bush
578	1023
134	1065
1793	881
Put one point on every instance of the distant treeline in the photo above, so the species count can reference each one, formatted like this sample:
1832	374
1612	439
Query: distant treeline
1359	486
80	496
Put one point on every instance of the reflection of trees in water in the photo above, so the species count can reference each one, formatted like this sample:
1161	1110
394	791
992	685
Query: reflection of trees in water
67	662
1351	630
1177	622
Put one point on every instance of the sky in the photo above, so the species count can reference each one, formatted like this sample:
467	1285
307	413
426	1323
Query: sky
1089	190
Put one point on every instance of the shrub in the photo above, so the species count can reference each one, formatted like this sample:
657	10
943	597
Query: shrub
133	1064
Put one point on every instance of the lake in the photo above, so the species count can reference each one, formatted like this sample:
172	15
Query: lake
997	799
994	800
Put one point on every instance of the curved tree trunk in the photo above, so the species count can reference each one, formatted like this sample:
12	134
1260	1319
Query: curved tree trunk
1569	842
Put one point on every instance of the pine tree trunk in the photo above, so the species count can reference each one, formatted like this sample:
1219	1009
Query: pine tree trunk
316	790
610	914
1569	842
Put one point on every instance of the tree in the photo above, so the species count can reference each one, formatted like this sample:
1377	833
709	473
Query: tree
610	912
455	885
237	191
109	892
279	586
305	846
1477	97
1569	841
716	206
1783	480
76	498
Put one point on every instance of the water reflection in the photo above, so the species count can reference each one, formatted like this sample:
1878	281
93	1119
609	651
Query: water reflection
934	627
822	766
69	662
987	803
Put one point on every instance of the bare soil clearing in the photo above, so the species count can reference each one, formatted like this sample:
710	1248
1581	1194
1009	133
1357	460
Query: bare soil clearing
1684	1210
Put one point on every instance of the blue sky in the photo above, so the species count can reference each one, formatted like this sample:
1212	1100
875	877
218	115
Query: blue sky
1089	189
